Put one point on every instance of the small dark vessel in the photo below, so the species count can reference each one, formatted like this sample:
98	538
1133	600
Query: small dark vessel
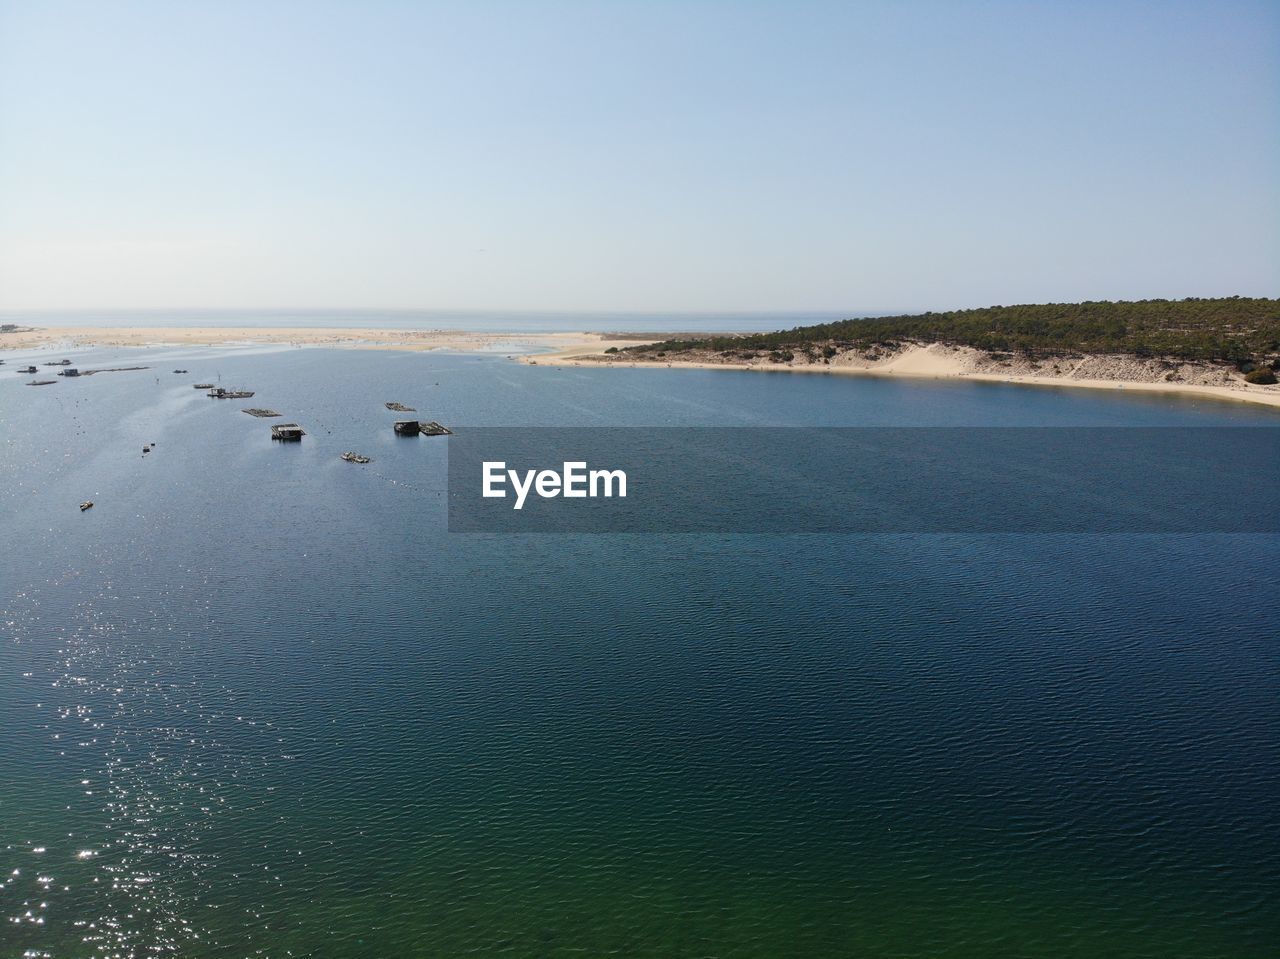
42	382
87	504
289	432
26	369
179	371
203	386
416	428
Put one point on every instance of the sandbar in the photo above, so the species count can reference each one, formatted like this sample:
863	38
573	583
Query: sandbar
354	338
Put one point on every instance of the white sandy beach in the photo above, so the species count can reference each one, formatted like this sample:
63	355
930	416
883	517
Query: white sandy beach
937	361
66	337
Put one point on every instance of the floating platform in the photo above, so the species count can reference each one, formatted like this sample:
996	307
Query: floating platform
218	393
416	428
355	458
258	411
399	408
288	432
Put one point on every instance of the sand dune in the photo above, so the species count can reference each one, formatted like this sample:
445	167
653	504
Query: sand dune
938	361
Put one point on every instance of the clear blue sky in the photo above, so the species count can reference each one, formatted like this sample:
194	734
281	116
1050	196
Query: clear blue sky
636	156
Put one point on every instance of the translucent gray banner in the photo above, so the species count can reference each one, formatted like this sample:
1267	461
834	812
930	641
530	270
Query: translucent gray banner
864	480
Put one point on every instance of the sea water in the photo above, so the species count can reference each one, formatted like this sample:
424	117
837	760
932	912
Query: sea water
260	702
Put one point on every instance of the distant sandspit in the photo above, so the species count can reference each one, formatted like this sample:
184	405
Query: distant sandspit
352	339
938	361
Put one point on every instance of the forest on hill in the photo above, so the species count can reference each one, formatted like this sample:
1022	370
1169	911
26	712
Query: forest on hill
1226	329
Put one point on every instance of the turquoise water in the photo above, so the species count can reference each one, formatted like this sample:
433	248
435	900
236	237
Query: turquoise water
259	702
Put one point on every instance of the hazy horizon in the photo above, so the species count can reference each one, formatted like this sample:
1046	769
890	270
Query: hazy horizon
573	158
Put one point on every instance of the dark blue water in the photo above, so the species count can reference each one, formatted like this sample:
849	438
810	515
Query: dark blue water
259	702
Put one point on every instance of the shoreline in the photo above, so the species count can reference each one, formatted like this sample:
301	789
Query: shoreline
922	362
584	349
350	338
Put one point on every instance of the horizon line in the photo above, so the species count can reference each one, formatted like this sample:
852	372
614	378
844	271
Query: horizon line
611	311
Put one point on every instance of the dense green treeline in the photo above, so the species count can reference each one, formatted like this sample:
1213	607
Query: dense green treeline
1229	329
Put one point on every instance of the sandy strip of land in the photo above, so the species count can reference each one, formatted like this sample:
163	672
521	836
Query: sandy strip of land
956	363
66	337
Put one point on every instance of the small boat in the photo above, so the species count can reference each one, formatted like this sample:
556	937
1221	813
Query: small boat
218	393
416	428
27	369
87	504
289	432
42	382
399	408
355	458
147	448
203	386
179	371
